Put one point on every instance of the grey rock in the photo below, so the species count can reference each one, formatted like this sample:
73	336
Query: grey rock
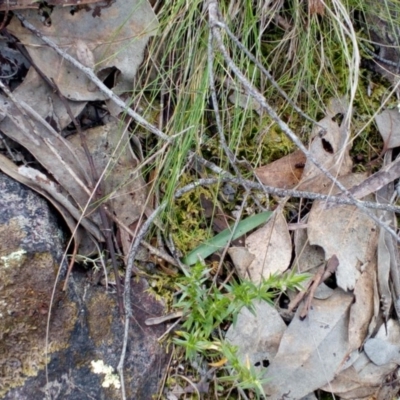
84	326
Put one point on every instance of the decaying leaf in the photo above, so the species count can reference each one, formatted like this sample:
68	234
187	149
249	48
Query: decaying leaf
382	352
308	257
388	122
330	149
41	97
49	148
346	232
362	311
271	247
388	253
364	379
284	173
116	36
257	335
123	185
311	351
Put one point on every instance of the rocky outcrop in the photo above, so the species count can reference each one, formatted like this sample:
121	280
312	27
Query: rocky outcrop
85	331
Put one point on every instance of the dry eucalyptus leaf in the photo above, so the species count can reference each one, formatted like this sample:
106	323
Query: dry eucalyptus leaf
45	102
257	335
123	186
381	352
311	351
115	34
346	232
362	311
241	258
271	246
330	150
388	122
388	252
49	149
364	379
284	173
308	257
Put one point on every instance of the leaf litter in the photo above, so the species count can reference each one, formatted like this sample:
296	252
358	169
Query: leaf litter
338	343
345	343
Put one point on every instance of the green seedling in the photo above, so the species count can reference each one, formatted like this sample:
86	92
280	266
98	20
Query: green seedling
219	241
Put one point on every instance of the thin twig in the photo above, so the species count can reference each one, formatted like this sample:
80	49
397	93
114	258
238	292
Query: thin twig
222	140
274	83
285	192
158	253
127	292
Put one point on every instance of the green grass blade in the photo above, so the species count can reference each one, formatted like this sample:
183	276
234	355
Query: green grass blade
219	241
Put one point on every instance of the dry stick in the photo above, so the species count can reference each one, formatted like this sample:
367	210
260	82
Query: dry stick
92	76
152	249
338	199
128	306
254	93
284	193
225	175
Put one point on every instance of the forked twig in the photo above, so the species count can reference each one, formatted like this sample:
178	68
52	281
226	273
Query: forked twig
323	273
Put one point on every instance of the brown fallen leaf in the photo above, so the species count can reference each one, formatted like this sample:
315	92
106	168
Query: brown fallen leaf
269	248
330	149
346	232
284	173
116	36
311	351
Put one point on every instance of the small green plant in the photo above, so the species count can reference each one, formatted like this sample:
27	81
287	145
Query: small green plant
206	307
